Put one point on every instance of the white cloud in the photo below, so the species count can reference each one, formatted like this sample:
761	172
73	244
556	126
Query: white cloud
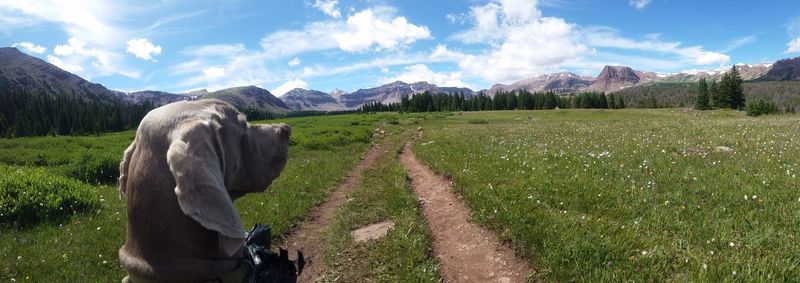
639	4
214	72
143	49
739	42
522	42
30	47
421	72
328	7
793	46
79	54
91	23
221	50
486	24
294	62
460	18
370	29
375	29
289	85
694	55
64	66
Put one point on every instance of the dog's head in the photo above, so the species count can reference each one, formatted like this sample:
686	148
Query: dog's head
264	150
220	157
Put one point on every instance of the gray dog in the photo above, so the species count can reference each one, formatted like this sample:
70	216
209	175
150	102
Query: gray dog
187	164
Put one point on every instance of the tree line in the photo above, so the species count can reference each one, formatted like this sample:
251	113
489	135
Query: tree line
728	93
522	100
24	113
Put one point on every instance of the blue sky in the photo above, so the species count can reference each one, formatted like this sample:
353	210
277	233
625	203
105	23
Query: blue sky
350	44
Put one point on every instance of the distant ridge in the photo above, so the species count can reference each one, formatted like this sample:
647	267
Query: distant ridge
249	96
22	71
784	70
300	99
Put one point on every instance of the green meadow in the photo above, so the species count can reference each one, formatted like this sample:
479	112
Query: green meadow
583	195
640	195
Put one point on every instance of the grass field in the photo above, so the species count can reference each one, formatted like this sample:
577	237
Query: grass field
584	195
635	194
84	248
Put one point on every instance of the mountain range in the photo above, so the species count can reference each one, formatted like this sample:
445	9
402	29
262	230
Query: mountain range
21	71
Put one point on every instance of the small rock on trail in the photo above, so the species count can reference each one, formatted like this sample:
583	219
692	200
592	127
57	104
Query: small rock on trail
372	232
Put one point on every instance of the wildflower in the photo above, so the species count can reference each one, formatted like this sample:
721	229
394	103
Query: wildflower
644	252
731	244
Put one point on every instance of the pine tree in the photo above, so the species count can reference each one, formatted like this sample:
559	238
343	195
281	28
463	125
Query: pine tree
702	96
737	90
713	94
731	91
612	102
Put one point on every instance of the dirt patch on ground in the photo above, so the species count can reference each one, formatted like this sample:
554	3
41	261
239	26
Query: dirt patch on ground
466	251
308	237
372	232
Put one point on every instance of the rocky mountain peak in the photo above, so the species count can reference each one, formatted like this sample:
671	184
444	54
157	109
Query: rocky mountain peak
784	70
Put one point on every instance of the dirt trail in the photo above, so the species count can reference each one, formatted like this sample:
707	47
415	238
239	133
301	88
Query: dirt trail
308	237
466	252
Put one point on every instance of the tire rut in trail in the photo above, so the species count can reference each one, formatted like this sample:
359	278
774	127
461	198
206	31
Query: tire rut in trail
309	236
466	252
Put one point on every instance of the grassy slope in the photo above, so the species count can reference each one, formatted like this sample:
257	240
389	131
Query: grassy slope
85	248
400	256
612	195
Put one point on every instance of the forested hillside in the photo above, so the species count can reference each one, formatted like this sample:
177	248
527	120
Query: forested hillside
24	113
786	94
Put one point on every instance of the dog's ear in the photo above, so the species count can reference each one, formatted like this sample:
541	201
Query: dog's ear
123	168
196	159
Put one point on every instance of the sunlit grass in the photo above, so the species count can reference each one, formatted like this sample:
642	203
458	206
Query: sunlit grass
636	194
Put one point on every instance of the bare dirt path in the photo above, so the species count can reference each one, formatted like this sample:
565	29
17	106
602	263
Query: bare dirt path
308	237
466	251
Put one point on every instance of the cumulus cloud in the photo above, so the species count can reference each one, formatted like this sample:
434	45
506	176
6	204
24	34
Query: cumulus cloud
143	49
90	22
639	4
793	46
521	41
421	72
30	47
371	29
367	28
294	62
328	7
289	85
